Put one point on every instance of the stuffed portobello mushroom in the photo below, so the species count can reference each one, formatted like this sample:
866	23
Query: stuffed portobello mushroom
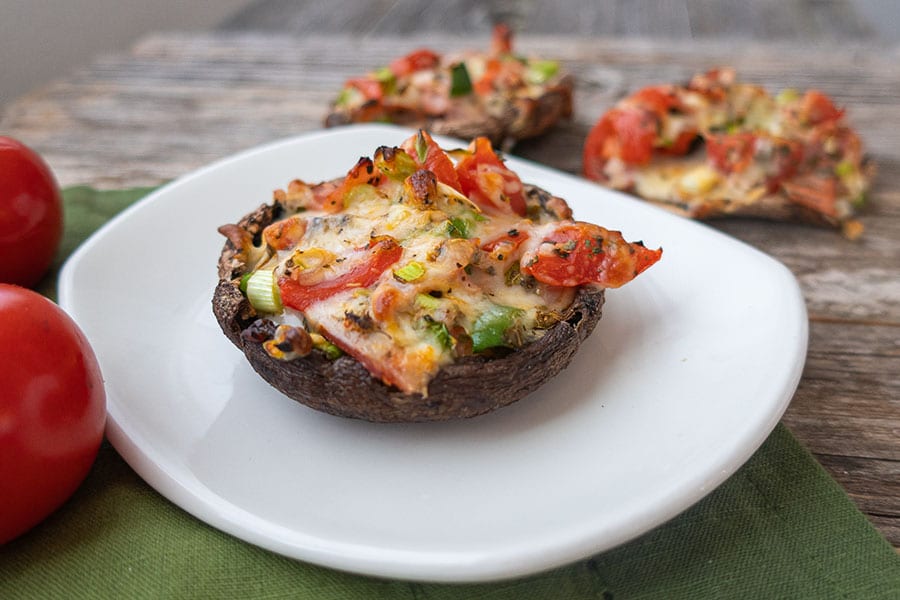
425	285
495	94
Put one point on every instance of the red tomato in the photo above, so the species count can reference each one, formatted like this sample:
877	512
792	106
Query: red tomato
382	253
816	192
817	108
436	160
625	133
52	409
731	152
30	214
415	61
486	181
485	84
577	253
370	88
501	40
658	99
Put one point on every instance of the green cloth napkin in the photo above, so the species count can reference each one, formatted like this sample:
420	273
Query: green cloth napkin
779	528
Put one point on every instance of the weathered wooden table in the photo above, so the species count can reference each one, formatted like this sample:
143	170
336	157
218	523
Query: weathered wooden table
176	102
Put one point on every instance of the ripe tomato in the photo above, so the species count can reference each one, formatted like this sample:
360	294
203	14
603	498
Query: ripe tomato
625	133
577	253
488	182
429	155
30	214
414	61
52	409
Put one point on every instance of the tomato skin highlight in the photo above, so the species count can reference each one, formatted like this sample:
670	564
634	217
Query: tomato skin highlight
52	409
31	219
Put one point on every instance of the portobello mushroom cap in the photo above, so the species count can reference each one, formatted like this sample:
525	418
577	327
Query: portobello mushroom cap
471	386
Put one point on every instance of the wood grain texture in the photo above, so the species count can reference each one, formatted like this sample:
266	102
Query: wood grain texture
177	102
667	19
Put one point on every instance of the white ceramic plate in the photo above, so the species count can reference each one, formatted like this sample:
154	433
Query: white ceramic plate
689	370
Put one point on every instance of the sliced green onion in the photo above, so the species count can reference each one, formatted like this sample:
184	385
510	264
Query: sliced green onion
427	301
491	326
243	285
348	96
409	272
359	193
460	83
421	147
459	228
440	332
330	350
384	74
398	166
387	79
787	95
262	292
844	168
540	71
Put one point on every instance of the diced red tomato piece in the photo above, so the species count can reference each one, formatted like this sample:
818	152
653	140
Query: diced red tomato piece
363	171
788	156
658	99
731	153
501	42
364	270
370	88
682	143
626	133
817	108
486	181
577	253
436	160
415	61
485	83
816	192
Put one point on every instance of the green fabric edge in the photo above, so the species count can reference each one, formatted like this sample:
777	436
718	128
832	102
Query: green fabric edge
778	528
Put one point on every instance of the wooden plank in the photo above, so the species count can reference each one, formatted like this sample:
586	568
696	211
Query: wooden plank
665	19
848	401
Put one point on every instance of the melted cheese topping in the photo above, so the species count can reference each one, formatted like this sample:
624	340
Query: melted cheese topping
425	307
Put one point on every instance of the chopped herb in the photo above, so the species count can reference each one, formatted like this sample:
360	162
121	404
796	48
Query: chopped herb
540	71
